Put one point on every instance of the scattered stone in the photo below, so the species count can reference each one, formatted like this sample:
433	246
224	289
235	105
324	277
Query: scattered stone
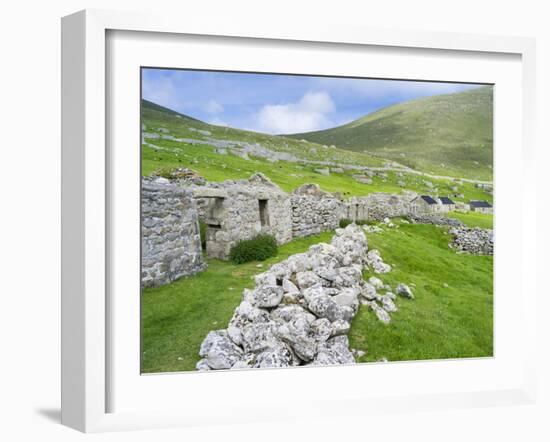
376	282
404	290
374	260
324	171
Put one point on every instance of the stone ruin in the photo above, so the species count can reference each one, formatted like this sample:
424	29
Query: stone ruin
300	311
314	211
238	210
170	240
377	206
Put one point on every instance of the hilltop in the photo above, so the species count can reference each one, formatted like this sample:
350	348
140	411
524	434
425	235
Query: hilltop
449	134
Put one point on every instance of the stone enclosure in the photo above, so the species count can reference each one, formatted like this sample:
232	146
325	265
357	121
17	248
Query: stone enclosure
238	210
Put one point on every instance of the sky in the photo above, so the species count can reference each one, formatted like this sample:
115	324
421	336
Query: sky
279	104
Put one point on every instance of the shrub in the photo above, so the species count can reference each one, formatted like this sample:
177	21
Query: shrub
345	222
258	248
202	233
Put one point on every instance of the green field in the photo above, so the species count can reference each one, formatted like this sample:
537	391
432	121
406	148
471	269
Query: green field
448	134
451	316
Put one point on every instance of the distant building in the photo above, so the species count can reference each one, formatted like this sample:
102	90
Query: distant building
424	204
446	204
481	206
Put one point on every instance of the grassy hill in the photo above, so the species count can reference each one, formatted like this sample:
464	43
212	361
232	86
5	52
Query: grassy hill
449	134
205	158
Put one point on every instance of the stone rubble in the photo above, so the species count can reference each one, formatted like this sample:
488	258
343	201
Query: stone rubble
301	309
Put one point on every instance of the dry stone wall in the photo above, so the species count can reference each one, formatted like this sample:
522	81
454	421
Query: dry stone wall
377	206
314	211
473	240
299	313
170	240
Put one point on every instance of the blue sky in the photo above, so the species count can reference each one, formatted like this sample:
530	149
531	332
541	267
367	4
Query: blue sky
279	104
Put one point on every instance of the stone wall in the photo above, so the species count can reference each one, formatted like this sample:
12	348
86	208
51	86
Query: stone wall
314	211
300	311
377	206
473	240
170	241
239	210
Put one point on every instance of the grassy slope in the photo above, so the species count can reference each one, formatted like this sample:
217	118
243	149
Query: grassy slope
473	219
442	322
453	129
288	175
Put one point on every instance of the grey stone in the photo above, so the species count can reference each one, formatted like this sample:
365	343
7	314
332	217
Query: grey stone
219	351
404	290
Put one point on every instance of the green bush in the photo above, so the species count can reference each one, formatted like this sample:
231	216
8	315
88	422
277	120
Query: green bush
258	248
202	233
345	222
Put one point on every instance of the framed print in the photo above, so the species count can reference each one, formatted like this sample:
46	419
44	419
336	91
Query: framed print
256	213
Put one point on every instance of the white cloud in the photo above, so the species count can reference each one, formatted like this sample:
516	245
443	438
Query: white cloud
308	114
213	107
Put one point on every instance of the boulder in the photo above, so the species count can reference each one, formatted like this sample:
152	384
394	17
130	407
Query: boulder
405	291
324	306
219	351
267	296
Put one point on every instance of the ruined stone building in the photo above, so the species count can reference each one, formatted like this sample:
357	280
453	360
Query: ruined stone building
377	206
170	239
236	210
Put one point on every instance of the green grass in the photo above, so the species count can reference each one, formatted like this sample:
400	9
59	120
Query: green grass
289	176
474	219
449	134
452	315
176	318
442	322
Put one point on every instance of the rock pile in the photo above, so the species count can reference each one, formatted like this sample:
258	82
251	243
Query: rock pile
473	240
435	219
300	311
183	175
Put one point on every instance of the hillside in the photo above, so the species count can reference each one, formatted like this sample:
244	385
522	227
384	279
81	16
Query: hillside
172	140
449	134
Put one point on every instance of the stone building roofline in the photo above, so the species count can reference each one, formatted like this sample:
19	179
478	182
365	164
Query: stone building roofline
481	203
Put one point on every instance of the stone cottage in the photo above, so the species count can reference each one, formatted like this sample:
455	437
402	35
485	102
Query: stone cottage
424	204
446	204
239	210
481	206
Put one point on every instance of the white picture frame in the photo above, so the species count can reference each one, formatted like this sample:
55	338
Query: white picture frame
86	209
